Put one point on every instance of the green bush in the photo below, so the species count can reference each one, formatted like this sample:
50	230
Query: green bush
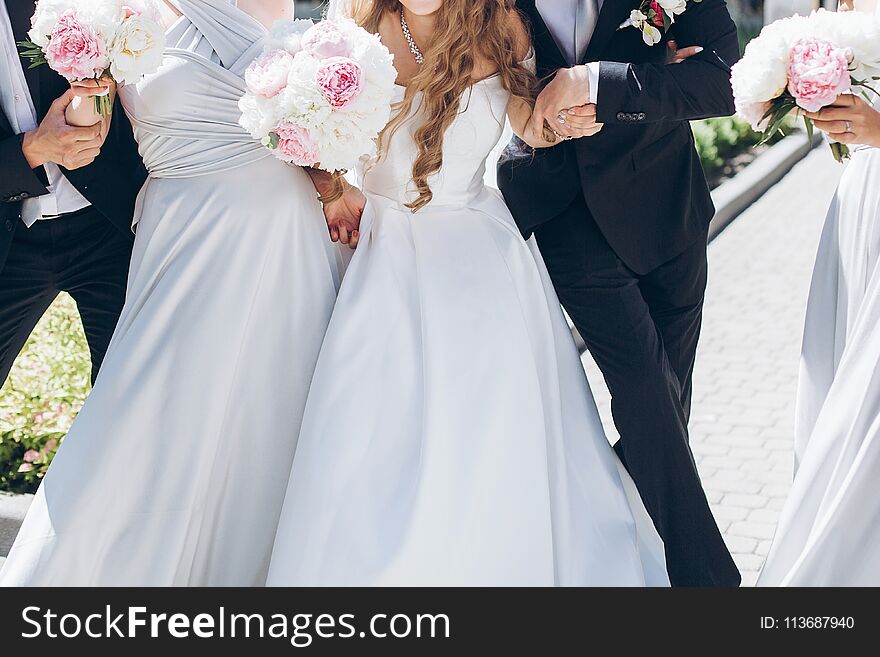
44	392
717	140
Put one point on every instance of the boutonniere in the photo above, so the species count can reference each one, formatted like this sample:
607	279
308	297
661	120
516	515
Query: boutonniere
652	16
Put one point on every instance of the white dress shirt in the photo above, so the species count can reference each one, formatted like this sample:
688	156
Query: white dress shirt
560	17
17	104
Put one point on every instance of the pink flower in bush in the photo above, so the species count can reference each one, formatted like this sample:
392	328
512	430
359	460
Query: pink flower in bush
325	39
74	49
340	80
31	455
295	145
267	75
25	467
818	73
50	446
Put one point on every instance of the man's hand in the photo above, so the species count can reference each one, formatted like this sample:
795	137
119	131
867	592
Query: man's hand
56	141
344	216
81	112
561	105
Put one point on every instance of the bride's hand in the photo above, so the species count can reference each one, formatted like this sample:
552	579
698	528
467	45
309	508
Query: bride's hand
676	56
849	120
344	216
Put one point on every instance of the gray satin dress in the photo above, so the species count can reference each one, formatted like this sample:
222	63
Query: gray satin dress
176	469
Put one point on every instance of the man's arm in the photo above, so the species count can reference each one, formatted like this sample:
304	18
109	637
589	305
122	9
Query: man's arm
693	84
697	88
18	179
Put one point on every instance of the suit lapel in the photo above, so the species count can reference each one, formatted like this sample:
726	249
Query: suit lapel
613	13
551	57
20	12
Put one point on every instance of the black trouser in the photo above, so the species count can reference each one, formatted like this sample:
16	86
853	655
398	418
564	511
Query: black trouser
82	254
643	333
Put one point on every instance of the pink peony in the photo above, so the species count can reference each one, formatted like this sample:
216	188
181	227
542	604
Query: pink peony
295	145
340	80
74	49
818	73
267	75
31	455
325	39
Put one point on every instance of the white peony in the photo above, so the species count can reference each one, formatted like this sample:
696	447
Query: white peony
46	15
259	115
103	16
287	35
136	49
762	73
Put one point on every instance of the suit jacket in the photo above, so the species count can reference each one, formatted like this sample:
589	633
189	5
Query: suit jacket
641	176
111	183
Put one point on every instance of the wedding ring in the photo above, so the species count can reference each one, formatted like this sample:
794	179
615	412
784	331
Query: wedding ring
848	126
560	118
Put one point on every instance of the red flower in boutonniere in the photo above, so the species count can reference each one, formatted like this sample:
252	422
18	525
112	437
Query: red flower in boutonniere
653	18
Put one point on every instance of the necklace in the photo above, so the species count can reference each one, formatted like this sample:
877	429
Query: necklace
420	58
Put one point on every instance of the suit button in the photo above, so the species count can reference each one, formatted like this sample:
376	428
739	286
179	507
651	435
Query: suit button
641	116
621	116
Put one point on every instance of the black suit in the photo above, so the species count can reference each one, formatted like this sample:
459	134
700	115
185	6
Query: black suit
86	254
622	220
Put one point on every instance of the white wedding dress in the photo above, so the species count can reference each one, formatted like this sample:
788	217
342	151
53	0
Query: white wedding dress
829	531
450	436
175	471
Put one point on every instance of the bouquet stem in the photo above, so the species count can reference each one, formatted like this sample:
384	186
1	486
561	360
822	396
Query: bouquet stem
840	151
103	105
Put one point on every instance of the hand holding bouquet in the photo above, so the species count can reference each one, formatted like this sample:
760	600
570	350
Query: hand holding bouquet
320	94
92	39
806	62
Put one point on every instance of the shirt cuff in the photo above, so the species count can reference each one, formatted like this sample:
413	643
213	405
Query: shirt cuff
593	72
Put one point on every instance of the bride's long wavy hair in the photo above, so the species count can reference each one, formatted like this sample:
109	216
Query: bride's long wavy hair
467	32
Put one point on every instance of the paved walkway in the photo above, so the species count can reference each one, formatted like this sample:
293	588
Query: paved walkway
746	371
744	383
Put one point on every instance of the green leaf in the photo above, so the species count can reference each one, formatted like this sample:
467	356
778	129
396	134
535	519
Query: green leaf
667	22
273	140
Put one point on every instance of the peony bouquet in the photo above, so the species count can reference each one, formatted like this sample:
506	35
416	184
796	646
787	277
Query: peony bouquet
320	94
88	39
806	62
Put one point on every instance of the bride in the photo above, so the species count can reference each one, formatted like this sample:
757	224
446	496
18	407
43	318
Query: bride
175	471
450	437
828	534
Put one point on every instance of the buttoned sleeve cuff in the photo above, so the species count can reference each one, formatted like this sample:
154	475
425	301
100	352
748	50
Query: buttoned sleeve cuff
593	72
19	181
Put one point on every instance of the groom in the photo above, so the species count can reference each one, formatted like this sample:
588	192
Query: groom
67	196
621	218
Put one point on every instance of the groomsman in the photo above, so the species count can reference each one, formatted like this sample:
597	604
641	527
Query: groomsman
66	201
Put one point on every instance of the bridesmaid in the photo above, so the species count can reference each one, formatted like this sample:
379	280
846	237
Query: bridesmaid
175	471
829	533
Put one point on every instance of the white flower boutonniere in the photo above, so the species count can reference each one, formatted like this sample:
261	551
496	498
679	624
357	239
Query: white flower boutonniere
654	17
